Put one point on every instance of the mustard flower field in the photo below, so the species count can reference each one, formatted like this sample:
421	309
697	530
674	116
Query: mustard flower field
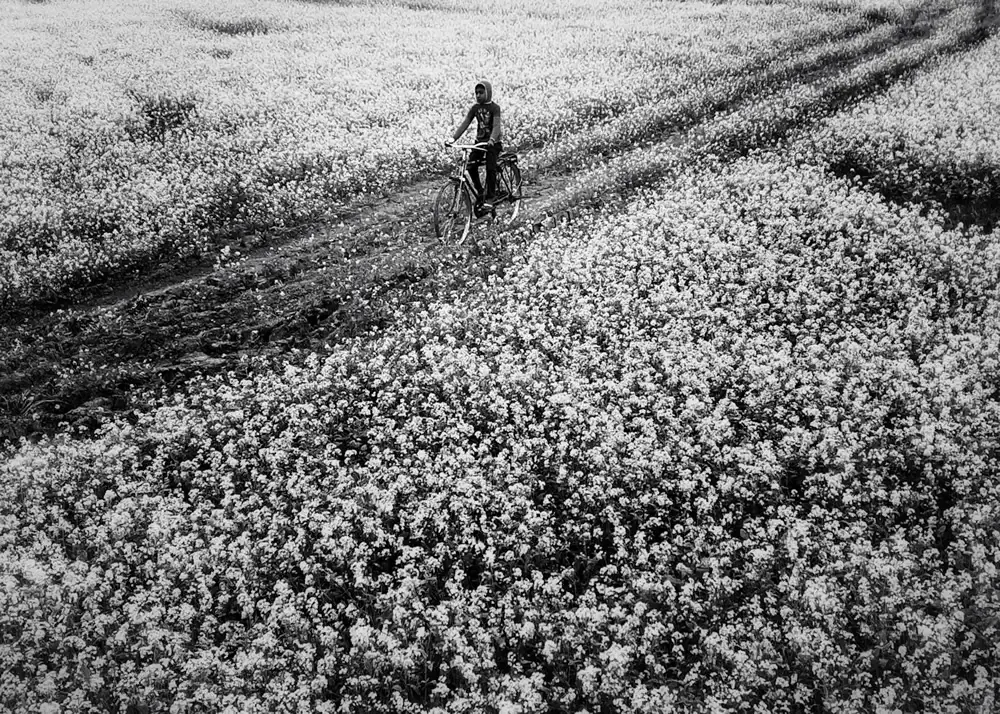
160	130
723	438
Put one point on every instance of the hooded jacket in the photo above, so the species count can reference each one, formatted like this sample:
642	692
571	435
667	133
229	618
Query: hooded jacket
487	115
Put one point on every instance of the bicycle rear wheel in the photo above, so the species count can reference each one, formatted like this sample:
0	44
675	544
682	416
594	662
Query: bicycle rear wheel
452	213
508	204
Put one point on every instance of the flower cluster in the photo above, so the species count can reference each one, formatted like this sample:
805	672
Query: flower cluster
731	447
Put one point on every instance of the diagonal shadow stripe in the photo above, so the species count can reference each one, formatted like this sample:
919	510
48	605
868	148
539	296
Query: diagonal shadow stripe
787	107
837	95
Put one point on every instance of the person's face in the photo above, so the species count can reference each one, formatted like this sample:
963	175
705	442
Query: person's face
480	94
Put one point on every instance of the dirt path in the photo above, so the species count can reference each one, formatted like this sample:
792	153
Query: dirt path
317	285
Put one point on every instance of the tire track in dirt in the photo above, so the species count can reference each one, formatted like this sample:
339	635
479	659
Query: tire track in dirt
359	274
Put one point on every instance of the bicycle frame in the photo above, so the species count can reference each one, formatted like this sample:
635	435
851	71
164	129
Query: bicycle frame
456	206
463	175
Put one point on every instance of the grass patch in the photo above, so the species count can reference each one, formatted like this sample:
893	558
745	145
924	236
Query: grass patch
231	26
46	92
879	15
160	113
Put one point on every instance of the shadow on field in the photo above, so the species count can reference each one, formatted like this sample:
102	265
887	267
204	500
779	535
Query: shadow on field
950	184
764	76
912	30
734	126
949	188
748	133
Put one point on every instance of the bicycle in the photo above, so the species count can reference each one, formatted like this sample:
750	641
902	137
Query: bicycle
455	204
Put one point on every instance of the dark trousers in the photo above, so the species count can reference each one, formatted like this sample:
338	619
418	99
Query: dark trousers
490	153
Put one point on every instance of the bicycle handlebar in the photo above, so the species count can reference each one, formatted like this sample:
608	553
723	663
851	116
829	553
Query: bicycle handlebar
469	146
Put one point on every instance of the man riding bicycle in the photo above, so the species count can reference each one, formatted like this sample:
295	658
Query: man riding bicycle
486	112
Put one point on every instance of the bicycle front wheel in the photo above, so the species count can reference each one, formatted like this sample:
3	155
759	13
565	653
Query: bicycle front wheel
452	213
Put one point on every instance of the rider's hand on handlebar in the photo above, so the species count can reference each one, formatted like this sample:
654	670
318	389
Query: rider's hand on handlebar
449	142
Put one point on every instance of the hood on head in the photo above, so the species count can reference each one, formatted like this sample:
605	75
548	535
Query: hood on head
489	91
